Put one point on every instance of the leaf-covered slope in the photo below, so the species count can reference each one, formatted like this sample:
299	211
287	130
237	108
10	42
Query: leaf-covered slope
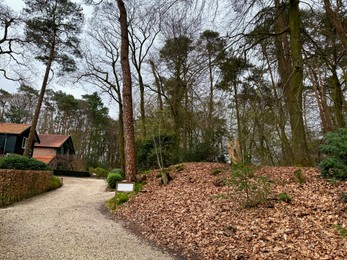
200	220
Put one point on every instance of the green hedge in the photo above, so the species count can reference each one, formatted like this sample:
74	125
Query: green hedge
19	162
71	173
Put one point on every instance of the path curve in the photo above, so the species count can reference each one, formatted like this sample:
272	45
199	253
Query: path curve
68	224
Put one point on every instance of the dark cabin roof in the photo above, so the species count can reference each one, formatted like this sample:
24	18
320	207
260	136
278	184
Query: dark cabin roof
54	141
16	129
9	128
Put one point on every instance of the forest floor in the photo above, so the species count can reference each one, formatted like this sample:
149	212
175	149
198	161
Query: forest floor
197	217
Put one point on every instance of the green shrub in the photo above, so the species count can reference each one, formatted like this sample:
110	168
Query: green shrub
164	145
284	197
121	198
138	187
55	183
335	150
119	171
98	172
113	178
256	189
20	162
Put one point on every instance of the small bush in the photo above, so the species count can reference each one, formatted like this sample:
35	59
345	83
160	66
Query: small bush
119	171
19	162
98	172
55	183
335	150
113	178
299	177
121	198
256	189
284	197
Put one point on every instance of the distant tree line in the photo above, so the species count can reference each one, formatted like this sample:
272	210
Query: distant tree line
93	132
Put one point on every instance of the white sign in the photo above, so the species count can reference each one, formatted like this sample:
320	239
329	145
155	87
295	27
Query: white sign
125	186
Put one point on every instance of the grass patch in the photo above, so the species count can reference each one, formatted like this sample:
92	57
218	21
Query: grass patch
179	167
216	172
341	230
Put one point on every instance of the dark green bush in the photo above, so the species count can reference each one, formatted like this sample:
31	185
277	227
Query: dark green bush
71	173
20	162
335	150
164	145
113	178
118	170
98	172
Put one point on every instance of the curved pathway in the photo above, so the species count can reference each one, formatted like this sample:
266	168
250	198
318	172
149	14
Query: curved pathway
68	224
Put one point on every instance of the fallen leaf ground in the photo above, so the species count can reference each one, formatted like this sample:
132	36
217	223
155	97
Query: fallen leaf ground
199	220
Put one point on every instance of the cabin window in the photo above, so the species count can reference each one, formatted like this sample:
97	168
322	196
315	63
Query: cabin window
24	142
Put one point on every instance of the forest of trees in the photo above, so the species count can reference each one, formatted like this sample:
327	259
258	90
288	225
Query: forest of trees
270	75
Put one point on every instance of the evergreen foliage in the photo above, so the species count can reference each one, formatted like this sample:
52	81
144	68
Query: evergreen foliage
335	150
113	178
149	149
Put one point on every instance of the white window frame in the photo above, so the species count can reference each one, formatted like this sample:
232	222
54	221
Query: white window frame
24	142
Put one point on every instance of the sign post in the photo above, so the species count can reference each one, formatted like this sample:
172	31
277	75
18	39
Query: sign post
125	186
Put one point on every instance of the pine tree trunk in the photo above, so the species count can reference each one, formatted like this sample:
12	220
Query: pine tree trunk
121	139
294	95
30	140
128	119
284	69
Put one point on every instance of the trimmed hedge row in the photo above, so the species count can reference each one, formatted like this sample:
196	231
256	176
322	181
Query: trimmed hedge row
71	173
16	185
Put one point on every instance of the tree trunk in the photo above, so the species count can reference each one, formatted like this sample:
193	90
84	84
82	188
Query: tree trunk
287	152
315	77
30	140
294	95
121	146
338	99
157	83
338	24
241	142
128	119
284	70
142	106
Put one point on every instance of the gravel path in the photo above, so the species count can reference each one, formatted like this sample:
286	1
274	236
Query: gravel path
68	224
